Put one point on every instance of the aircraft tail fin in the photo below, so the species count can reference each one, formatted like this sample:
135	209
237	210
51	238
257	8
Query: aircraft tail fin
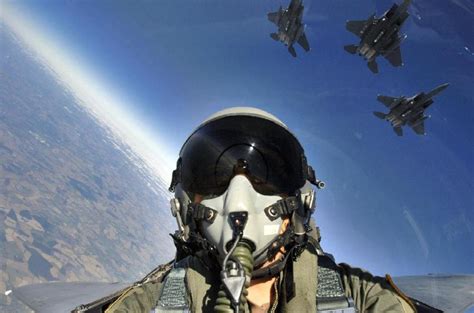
352	49
398	130
419	128
380	115
373	66
292	51
303	41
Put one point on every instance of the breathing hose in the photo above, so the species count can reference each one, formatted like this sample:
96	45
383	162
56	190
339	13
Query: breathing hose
236	271
241	258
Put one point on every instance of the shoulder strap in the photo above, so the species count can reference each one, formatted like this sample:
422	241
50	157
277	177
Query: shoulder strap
173	297
142	294
330	295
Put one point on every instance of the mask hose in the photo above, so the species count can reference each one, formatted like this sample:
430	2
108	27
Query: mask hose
236	271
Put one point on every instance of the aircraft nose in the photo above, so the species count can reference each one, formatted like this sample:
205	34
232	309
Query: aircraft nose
444	86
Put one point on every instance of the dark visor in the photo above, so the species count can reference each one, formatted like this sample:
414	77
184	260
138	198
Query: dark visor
269	155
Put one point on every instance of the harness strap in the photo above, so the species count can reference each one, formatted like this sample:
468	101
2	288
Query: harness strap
173	297
330	295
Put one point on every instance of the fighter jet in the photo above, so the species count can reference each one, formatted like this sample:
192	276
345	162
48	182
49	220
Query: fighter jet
408	110
290	26
380	36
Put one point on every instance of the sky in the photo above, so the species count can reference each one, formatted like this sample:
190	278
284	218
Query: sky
402	205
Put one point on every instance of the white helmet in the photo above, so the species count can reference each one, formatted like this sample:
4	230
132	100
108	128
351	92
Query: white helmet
242	161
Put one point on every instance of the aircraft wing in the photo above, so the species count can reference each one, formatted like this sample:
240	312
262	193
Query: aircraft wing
303	41
395	57
60	297
449	293
274	17
387	101
355	27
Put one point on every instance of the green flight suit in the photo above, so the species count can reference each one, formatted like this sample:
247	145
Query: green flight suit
370	293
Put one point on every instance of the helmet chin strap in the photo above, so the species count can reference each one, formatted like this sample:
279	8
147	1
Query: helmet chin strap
272	270
294	238
294	245
290	242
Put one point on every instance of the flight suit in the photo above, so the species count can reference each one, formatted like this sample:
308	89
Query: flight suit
200	287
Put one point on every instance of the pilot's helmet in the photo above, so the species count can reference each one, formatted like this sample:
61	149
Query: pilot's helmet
242	159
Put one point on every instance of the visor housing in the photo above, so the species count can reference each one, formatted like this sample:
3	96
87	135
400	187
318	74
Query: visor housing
273	158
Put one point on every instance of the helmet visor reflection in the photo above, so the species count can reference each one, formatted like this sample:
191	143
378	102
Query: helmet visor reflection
274	160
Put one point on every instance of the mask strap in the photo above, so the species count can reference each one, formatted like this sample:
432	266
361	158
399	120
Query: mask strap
198	211
284	206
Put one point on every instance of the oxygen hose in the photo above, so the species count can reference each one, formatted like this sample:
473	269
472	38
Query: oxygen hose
241	257
236	270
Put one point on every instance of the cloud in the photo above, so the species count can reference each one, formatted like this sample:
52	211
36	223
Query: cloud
418	233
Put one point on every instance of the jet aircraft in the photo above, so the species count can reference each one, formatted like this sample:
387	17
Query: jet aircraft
408	110
380	36
290	26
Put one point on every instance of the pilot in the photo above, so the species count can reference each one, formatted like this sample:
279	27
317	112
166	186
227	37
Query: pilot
246	241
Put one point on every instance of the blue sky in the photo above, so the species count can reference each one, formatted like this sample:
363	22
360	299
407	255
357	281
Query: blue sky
402	205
